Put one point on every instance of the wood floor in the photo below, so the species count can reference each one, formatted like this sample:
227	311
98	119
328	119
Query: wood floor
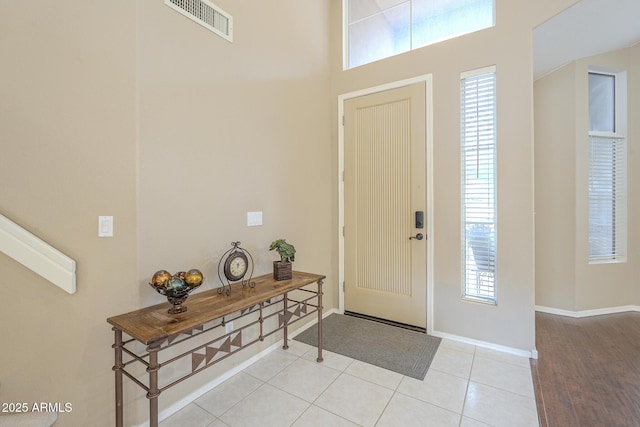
588	370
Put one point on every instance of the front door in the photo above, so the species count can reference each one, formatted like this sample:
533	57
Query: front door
385	189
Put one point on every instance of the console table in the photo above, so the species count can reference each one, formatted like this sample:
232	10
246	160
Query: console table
259	311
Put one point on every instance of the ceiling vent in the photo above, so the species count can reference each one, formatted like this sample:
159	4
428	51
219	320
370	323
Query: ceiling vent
206	14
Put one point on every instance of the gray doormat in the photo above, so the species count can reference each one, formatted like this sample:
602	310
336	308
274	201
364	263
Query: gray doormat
400	350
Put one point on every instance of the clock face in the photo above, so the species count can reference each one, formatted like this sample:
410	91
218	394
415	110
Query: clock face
235	267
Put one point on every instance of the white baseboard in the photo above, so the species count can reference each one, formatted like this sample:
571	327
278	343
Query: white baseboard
533	354
587	313
176	406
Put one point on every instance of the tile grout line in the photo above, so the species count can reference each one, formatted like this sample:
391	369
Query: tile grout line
325	390
466	391
340	373
395	391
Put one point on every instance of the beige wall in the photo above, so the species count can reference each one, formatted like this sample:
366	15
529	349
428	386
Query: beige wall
67	155
564	278
230	128
555	188
135	112
634	152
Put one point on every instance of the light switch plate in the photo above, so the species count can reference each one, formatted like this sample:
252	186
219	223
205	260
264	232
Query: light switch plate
254	219
105	226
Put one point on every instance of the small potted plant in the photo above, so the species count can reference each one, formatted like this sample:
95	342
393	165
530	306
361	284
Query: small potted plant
282	269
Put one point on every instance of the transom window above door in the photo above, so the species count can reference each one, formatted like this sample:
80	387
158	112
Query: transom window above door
377	29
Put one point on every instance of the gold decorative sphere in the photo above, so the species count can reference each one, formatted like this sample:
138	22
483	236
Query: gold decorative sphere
193	277
159	278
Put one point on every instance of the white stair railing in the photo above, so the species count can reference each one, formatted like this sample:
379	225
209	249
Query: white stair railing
37	255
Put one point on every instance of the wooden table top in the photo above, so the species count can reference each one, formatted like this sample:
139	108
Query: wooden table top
152	324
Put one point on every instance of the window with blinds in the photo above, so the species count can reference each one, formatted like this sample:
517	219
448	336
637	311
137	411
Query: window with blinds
478	157
607	167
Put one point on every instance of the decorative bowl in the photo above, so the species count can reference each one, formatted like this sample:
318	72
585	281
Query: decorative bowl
176	287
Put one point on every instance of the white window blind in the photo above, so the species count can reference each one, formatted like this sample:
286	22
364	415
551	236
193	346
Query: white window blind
478	156
607	198
607	167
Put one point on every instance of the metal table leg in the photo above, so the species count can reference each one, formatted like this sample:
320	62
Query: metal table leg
286	322
319	359
117	368
153	393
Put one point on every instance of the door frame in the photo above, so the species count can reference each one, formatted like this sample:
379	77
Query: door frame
427	79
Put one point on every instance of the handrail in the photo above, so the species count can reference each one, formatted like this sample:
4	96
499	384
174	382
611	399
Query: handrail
37	255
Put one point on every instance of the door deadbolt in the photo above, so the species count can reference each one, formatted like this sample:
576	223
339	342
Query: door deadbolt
419	219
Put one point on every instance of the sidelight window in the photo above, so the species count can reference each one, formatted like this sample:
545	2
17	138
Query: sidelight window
607	167
478	156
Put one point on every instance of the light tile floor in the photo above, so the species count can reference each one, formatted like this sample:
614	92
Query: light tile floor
465	386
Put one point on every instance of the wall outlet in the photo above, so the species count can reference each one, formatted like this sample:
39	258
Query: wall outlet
228	327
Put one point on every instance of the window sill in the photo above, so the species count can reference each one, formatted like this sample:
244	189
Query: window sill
479	300
621	260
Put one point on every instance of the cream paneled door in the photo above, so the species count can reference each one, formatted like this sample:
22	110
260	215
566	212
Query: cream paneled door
385	187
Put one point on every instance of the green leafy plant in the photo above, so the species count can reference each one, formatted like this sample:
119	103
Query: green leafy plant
286	250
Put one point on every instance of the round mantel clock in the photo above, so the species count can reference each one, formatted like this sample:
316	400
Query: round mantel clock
234	266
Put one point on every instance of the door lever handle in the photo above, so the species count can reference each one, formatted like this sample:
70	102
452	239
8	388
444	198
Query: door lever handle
418	236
